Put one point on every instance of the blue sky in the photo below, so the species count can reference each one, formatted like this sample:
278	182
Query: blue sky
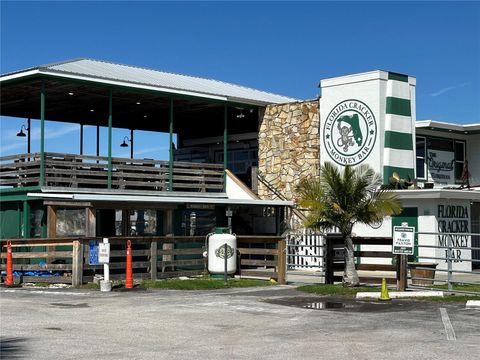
282	47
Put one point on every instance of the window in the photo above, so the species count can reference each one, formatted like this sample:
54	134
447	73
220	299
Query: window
459	159
440	144
239	160
421	164
71	222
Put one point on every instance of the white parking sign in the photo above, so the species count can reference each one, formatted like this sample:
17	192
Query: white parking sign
104	253
403	237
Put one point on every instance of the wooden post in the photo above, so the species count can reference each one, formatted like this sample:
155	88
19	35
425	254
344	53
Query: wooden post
51	231
126	222
77	263
51	221
282	261
91	222
153	260
254	179
168	230
329	261
401	272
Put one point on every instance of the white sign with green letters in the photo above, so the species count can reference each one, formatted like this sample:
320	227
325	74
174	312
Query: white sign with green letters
403	237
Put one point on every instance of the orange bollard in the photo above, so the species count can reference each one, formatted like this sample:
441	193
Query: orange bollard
129	274
9	278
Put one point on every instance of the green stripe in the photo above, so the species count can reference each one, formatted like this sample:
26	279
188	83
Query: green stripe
398	106
397	140
404	173
398	77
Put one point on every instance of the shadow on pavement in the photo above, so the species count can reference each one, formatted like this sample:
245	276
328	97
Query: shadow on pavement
12	348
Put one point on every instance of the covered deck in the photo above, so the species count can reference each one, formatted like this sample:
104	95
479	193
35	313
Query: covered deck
207	123
202	116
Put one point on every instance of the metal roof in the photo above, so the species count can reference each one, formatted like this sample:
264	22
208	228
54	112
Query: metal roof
156	199
111	73
468	129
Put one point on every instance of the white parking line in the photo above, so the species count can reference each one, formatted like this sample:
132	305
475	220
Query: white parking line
448	325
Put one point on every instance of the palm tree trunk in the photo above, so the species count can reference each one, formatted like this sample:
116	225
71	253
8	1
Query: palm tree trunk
350	275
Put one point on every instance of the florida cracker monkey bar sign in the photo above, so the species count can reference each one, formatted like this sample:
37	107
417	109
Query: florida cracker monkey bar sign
350	132
403	240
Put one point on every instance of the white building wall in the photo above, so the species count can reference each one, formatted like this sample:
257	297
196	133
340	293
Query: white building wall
473	157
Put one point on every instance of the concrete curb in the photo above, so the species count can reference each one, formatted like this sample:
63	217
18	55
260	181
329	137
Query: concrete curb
400	295
473	304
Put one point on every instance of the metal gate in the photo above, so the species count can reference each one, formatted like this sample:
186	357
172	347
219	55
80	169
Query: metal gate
306	257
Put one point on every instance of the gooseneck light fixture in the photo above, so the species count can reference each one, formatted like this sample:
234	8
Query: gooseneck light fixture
124	144
22	134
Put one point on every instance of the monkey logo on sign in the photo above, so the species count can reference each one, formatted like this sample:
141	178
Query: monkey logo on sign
350	132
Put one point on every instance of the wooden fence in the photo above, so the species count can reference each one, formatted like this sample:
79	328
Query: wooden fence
85	171
66	260
336	263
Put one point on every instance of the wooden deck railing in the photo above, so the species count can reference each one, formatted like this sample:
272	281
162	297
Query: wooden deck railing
85	171
154	257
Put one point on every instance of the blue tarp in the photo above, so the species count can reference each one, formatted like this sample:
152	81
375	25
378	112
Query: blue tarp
34	273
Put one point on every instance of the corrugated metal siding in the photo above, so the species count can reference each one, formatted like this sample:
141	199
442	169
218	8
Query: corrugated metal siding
130	74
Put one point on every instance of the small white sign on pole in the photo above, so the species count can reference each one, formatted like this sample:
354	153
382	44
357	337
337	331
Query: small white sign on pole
403	239
104	253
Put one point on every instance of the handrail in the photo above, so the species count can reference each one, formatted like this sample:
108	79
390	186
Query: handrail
277	193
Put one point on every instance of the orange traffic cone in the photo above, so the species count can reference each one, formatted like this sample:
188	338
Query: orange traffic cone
9	278
129	273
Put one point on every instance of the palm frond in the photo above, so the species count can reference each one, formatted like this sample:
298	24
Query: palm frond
342	198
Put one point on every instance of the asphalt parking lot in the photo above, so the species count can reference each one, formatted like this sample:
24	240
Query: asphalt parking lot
254	323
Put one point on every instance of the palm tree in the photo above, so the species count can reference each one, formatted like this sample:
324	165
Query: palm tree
342	199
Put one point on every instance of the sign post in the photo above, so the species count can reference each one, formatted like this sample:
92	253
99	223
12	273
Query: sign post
403	239
104	258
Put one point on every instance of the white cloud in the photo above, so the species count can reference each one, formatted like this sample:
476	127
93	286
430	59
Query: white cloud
55	133
13	146
143	151
10	137
447	89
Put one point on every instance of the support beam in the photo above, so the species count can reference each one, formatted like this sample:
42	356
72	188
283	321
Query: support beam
98	141
170	159
109	182
19	219
42	134
168	231
131	143
51	231
81	139
125	222
51	221
29	124
91	222
26	219
225	142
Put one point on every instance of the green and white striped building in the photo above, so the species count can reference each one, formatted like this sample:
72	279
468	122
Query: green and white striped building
387	130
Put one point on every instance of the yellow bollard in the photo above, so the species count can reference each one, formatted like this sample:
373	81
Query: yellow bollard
384	292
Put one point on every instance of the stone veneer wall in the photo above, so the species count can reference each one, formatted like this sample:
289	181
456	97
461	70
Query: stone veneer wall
288	146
